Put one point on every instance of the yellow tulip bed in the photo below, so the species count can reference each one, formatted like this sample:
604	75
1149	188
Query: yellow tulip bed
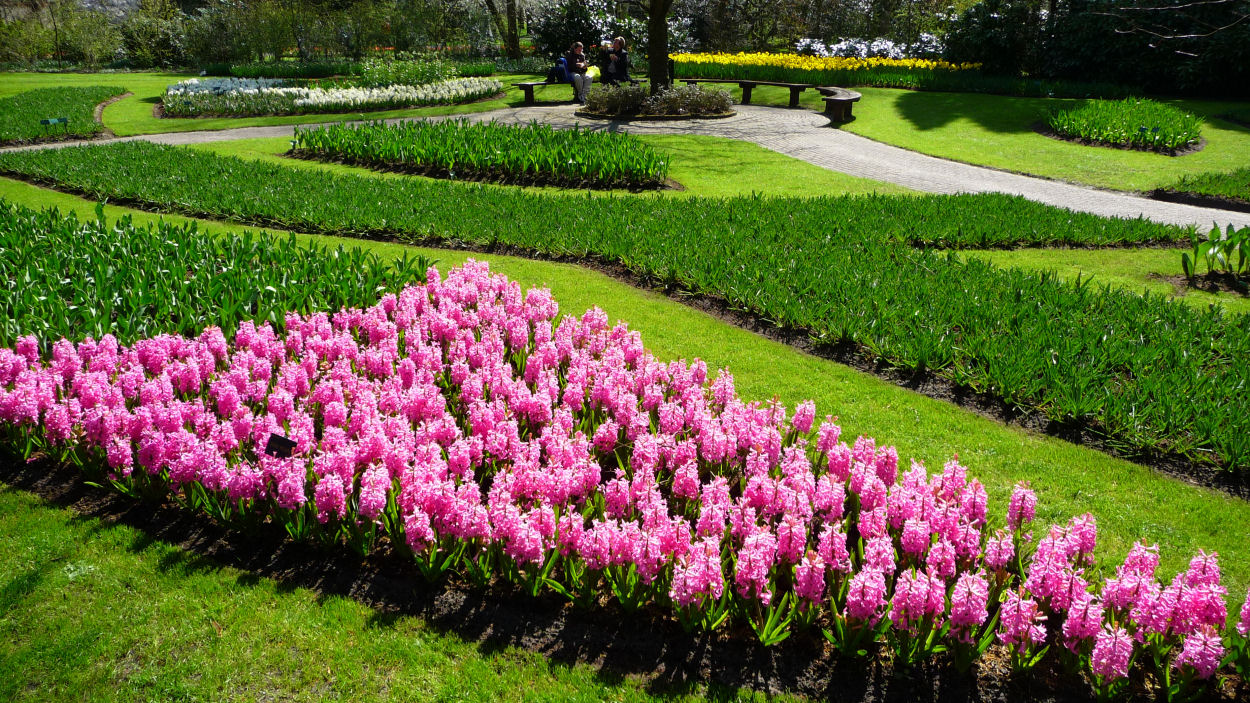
793	68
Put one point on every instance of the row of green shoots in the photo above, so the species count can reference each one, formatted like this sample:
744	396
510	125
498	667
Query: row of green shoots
1136	123
536	153
21	115
87	279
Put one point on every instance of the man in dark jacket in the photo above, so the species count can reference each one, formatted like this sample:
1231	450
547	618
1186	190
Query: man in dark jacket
618	63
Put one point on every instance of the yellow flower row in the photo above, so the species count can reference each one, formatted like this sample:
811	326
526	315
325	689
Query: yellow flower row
816	63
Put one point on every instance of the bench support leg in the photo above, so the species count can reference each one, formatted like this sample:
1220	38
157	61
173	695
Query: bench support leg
794	96
838	112
529	94
746	92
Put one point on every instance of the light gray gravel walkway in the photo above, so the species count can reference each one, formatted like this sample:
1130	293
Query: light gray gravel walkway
809	136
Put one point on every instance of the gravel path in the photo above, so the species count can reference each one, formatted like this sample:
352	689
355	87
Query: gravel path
808	135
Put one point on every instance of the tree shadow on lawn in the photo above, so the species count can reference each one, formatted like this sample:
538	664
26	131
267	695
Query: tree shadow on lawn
927	110
616	644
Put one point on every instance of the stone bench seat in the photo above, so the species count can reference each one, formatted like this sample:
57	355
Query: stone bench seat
838	102
748	85
528	87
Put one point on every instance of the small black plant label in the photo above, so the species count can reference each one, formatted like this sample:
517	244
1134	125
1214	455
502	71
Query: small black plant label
279	446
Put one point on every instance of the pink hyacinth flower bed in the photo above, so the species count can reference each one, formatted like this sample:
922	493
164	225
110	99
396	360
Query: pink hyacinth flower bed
462	423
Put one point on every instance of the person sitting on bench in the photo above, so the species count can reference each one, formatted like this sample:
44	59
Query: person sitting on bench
618	63
578	63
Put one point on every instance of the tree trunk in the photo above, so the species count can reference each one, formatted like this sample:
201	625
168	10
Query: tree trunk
497	19
512	40
657	44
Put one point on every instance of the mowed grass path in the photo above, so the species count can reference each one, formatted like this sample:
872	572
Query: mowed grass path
133	115
91	611
997	131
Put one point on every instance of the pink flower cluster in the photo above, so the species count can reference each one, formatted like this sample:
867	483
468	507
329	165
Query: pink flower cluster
463	417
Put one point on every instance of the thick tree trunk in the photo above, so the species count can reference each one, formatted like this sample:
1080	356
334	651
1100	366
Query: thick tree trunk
498	20
657	44
512	40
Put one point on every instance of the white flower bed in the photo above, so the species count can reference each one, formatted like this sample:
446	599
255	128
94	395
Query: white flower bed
242	97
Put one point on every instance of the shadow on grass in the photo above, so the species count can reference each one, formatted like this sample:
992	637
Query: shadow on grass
1004	115
499	619
21	585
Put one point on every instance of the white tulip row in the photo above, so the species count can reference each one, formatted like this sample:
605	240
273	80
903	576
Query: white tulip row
240	97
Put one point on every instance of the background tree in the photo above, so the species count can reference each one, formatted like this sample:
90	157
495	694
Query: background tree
656	12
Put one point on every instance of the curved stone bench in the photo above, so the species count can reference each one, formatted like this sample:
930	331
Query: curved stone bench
838	102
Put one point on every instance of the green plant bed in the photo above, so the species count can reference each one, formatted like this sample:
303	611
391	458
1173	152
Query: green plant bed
218	97
21	114
531	155
135	114
1230	190
1134	123
1152	270
839	269
113	278
652	118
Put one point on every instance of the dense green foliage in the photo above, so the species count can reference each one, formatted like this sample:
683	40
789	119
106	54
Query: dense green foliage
1151	374
475	69
373	71
1163	48
21	113
1233	185
376	73
1134	122
463	149
90	278
624	99
287	69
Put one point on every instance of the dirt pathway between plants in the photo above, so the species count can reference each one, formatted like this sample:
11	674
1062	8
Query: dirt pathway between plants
809	136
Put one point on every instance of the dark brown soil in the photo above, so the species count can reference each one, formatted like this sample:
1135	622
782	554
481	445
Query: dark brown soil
471	176
1178	466
1044	129
1208	282
1200	199
643	645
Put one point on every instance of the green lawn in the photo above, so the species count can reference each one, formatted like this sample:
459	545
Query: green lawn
92	611
134	114
704	166
1134	270
996	131
1234	185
